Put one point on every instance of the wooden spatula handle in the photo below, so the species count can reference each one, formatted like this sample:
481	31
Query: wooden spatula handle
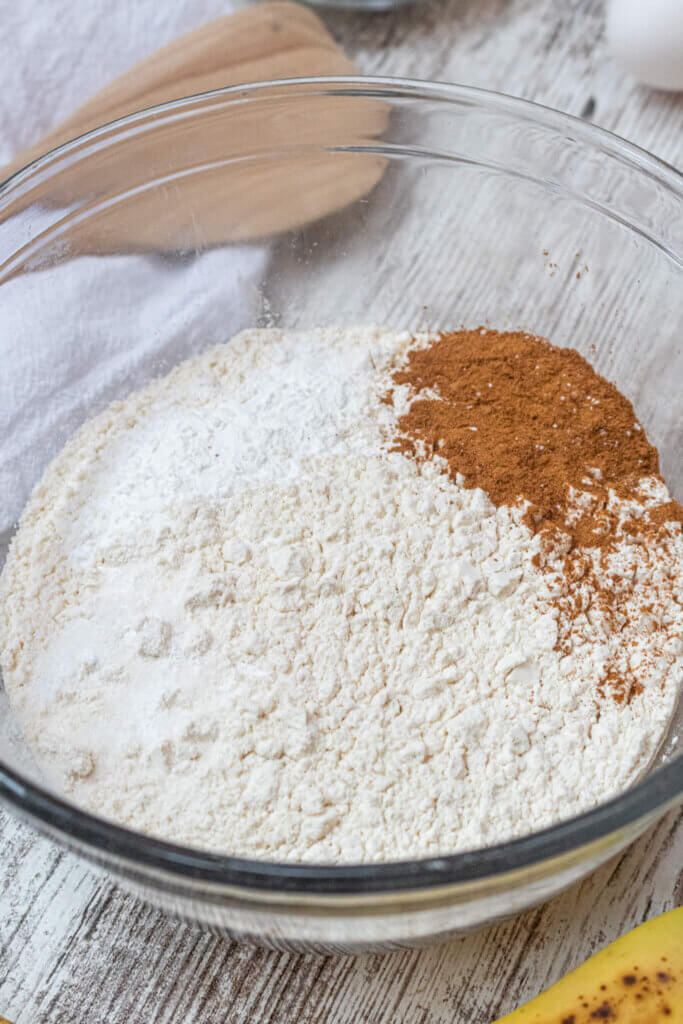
260	43
236	173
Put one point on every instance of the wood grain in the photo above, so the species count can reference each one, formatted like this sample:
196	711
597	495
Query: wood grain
76	950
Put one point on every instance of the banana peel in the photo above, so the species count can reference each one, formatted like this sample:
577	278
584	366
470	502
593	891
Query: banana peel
636	980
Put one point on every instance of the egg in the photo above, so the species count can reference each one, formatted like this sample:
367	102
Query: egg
646	38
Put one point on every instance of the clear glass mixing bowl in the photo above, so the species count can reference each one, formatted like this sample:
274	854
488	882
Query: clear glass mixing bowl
361	201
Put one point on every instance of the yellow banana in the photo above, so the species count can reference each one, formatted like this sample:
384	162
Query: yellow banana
636	980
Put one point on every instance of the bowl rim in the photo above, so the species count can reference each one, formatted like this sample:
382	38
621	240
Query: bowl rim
631	810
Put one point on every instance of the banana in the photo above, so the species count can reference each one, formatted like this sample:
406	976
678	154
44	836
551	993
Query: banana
636	980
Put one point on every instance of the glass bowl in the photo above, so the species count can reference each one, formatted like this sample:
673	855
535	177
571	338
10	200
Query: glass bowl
307	203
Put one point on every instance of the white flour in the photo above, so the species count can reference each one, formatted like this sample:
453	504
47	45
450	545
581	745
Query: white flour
232	619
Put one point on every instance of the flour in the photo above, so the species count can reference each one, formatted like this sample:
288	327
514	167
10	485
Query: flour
234	618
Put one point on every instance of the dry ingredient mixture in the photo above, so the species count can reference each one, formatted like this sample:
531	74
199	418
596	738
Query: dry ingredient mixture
350	595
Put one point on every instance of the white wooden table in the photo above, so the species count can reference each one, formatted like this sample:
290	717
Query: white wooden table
76	950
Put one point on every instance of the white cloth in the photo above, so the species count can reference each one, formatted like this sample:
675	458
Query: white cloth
77	334
57	53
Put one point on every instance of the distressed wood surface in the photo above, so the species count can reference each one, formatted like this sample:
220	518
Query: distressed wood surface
76	950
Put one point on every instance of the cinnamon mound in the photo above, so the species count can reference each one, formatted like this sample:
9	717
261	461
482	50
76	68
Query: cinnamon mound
531	423
525	420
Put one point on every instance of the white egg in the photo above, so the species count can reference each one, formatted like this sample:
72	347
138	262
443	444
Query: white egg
646	37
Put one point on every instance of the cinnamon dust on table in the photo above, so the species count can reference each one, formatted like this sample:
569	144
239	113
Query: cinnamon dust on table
532	423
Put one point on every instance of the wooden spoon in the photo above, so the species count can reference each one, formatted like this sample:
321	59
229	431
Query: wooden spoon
233	171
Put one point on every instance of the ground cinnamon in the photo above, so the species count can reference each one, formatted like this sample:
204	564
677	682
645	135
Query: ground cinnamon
523	419
532	423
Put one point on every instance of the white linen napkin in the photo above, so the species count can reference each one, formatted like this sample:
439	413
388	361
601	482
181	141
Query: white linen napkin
58	53
77	334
